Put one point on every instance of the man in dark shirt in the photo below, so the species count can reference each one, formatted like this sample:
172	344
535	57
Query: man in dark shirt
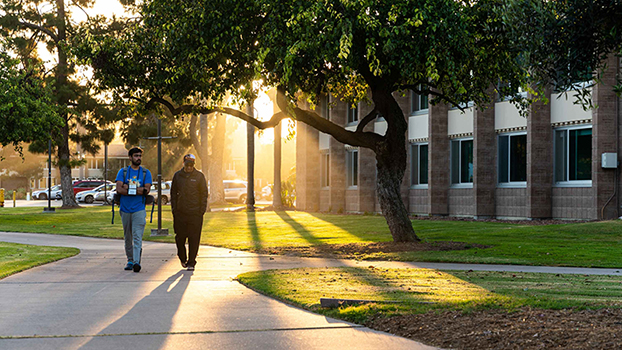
188	202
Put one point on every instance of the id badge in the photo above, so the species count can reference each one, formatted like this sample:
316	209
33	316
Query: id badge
131	190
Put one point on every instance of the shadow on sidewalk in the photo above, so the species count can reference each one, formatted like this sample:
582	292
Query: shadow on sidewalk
166	298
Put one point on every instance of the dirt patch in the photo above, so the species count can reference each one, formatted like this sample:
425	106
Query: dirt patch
494	329
355	250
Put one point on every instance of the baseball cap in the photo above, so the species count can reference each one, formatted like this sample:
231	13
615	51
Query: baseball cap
190	158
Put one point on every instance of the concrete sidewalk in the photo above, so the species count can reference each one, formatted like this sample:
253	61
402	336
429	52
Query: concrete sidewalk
90	302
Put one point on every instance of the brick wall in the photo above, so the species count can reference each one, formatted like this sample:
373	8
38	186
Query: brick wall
338	116
484	155
573	203
511	202
419	203
539	160
604	140
461	201
438	155
307	168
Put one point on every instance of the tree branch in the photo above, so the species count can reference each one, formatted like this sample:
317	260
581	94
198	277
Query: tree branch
433	92
191	108
357	139
368	118
40	28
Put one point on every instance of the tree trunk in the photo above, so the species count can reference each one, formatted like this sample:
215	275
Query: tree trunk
203	122
391	156
277	201
250	162
390	175
69	199
217	194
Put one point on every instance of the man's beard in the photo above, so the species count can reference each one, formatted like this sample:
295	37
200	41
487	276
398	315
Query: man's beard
136	162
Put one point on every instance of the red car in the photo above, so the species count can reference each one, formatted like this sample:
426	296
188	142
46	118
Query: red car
85	185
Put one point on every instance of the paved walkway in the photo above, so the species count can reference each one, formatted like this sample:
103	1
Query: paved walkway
89	302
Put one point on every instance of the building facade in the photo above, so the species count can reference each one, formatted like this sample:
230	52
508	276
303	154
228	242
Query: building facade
561	161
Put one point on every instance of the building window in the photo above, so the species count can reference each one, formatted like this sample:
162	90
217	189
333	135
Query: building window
325	107
352	168
512	159
461	161
419	164
93	163
325	170
353	114
418	102
573	155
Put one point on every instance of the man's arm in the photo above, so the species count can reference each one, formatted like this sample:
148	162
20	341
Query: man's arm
121	188
203	193
174	193
147	185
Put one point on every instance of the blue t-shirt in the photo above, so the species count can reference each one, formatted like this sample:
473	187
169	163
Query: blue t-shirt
132	204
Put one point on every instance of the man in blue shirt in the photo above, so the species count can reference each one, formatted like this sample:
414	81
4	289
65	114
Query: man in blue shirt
133	184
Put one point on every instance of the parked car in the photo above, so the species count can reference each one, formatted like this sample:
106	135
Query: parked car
235	190
90	195
166	192
266	193
43	194
86	185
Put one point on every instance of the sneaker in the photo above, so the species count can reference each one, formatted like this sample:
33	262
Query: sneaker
184	264
129	266
190	268
136	267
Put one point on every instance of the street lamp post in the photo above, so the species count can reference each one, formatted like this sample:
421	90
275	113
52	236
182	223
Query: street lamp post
49	209
159	231
105	174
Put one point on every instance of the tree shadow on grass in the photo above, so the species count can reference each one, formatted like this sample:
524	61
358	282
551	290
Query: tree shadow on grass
300	229
376	231
253	229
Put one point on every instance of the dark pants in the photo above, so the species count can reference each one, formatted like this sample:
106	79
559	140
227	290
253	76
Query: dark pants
188	227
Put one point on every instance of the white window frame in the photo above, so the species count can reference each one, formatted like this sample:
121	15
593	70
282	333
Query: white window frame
451	170
325	170
569	183
325	107
419	110
356	112
509	184
417	184
93	161
351	173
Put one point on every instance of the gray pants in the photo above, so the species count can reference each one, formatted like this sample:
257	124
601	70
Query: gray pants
133	228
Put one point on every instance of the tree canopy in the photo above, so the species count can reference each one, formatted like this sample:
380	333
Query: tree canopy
188	55
26	108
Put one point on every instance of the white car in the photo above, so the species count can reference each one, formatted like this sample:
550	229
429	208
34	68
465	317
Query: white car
90	195
166	192
266	193
235	190
43	194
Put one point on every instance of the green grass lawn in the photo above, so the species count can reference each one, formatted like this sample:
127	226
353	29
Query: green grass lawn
422	290
595	244
19	257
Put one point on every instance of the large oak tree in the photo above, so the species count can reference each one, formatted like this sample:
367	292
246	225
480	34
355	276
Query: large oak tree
455	51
